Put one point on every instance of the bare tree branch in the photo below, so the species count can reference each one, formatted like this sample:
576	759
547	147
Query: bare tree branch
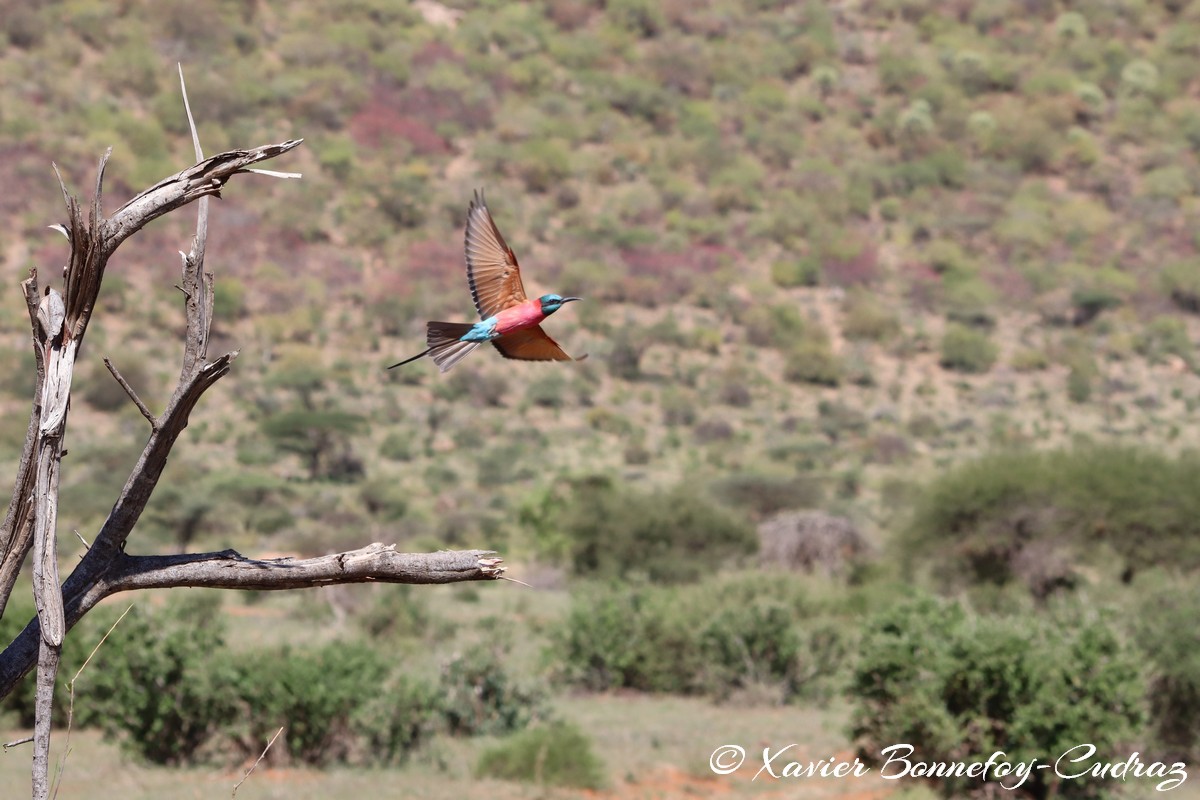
205	179
62	763
47	669
16	532
376	563
59	324
137	401
257	761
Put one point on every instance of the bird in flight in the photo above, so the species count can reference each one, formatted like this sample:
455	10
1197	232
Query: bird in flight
509	320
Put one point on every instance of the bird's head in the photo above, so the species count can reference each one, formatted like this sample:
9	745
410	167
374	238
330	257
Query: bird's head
553	302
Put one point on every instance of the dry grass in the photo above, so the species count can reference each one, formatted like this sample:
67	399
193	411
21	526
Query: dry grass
653	747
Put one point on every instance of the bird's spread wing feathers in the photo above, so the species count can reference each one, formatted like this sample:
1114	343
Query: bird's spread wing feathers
492	270
530	344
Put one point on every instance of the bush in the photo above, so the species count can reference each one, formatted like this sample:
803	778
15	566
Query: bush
672	536
547	391
394	719
555	755
1181	280
1166	632
397	446
867	317
1165	336
162	682
750	643
813	361
77	644
626	637
766	494
396	611
967	350
314	693
1027	516
775	326
479	696
716	637
948	683
803	271
384	498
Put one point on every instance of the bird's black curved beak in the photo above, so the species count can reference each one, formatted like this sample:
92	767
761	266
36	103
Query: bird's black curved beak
569	299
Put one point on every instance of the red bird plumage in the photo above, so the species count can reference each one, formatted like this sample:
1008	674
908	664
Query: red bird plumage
509	320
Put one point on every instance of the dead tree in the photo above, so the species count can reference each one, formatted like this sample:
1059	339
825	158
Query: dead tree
59	321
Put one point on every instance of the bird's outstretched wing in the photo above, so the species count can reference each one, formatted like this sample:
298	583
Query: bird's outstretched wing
492	270
531	344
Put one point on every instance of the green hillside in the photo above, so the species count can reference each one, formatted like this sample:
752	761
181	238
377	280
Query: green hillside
849	241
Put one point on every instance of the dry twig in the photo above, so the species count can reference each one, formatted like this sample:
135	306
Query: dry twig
256	762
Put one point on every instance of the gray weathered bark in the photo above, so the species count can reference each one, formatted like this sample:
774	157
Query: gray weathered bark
59	324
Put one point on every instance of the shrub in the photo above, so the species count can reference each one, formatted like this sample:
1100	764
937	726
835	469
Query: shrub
1017	515
867	317
403	195
748	644
395	612
397	446
77	644
1139	78
714	637
314	693
813	361
547	391
802	271
1029	359
766	494
1079	382
947	683
774	326
1165	336
672	536
554	755
1167	634
1071	26
1181	280
967	350
641	17
626	637
177	652
968	301
392	720
384	498
543	165
624	362
479	696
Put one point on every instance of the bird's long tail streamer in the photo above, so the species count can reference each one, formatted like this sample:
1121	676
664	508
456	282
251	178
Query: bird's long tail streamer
446	346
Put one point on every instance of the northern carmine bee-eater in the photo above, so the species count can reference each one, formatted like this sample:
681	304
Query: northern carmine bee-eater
510	321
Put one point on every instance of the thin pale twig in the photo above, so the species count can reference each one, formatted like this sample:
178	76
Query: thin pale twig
137	401
256	763
191	122
62	764
17	742
97	647
271	173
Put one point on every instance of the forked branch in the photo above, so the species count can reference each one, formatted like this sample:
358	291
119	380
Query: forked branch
58	325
